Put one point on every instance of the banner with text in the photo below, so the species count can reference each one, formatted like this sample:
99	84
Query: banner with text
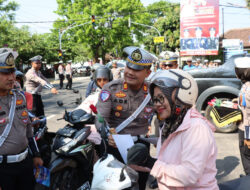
199	27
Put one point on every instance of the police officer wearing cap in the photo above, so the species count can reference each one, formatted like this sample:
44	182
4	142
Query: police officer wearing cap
119	99
16	165
169	60
61	73
34	83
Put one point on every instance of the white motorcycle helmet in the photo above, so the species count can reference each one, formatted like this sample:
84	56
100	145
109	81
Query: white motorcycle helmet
187	89
242	68
110	174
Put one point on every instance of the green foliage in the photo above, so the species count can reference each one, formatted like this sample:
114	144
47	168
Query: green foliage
165	17
248	3
111	33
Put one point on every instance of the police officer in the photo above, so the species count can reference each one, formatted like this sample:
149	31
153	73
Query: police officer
61	73
120	98
68	71
16	166
169	60
34	83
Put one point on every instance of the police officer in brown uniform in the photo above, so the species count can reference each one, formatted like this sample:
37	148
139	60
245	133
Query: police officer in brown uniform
120	98
16	166
34	83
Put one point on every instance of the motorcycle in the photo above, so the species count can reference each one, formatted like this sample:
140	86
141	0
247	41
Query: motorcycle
108	172
72	160
43	139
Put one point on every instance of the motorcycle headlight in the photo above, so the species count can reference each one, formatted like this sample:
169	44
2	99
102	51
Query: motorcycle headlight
69	143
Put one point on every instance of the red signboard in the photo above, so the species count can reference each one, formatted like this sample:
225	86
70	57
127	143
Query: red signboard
199	32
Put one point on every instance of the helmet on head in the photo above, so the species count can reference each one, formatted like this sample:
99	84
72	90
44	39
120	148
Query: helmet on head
187	89
7	60
19	77
102	72
242	68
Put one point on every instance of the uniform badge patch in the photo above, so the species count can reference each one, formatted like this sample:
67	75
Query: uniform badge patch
24	113
2	121
120	94
148	110
125	86
104	96
25	120
145	88
117	114
19	102
119	108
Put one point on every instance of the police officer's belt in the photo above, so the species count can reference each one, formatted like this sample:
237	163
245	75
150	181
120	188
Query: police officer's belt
134	115
11	117
15	158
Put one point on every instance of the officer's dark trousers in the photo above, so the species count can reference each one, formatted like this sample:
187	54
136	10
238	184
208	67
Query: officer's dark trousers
61	77
244	153
143	176
69	84
38	109
14	176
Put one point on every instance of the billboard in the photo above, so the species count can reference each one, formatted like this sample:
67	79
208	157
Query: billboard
199	27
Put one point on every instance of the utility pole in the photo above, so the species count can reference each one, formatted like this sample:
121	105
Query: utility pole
223	22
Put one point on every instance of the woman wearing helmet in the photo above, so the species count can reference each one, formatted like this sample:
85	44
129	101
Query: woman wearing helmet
186	149
101	76
242	70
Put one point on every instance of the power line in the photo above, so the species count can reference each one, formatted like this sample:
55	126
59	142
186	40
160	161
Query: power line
120	15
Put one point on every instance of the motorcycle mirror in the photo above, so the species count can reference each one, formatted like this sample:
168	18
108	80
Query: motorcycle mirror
59	103
75	91
78	100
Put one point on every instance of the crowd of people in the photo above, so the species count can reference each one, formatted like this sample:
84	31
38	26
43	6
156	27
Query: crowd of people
186	148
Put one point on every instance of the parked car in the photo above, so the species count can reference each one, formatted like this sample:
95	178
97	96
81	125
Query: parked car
221	83
84	70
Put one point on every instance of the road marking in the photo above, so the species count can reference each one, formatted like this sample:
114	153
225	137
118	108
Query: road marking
51	116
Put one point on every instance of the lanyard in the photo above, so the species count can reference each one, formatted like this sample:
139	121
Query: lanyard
11	117
134	115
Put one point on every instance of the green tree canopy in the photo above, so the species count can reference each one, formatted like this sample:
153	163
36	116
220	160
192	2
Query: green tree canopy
111	32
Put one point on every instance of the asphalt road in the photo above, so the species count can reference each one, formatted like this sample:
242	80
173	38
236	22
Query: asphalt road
228	160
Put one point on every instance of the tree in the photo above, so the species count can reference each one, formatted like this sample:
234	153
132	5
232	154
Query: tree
248	3
111	33
7	9
165	17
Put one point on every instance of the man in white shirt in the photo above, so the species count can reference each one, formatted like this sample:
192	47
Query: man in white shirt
61	73
68	72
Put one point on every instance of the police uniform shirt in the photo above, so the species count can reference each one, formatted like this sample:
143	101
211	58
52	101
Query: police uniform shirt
34	81
21	130
117	102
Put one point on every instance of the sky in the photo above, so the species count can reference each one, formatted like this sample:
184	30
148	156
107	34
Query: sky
43	10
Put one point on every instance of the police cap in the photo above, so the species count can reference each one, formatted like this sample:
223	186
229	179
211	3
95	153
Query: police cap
36	58
7	60
168	57
69	61
138	59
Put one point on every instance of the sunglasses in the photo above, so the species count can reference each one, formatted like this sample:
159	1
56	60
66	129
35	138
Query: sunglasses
168	65
159	98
